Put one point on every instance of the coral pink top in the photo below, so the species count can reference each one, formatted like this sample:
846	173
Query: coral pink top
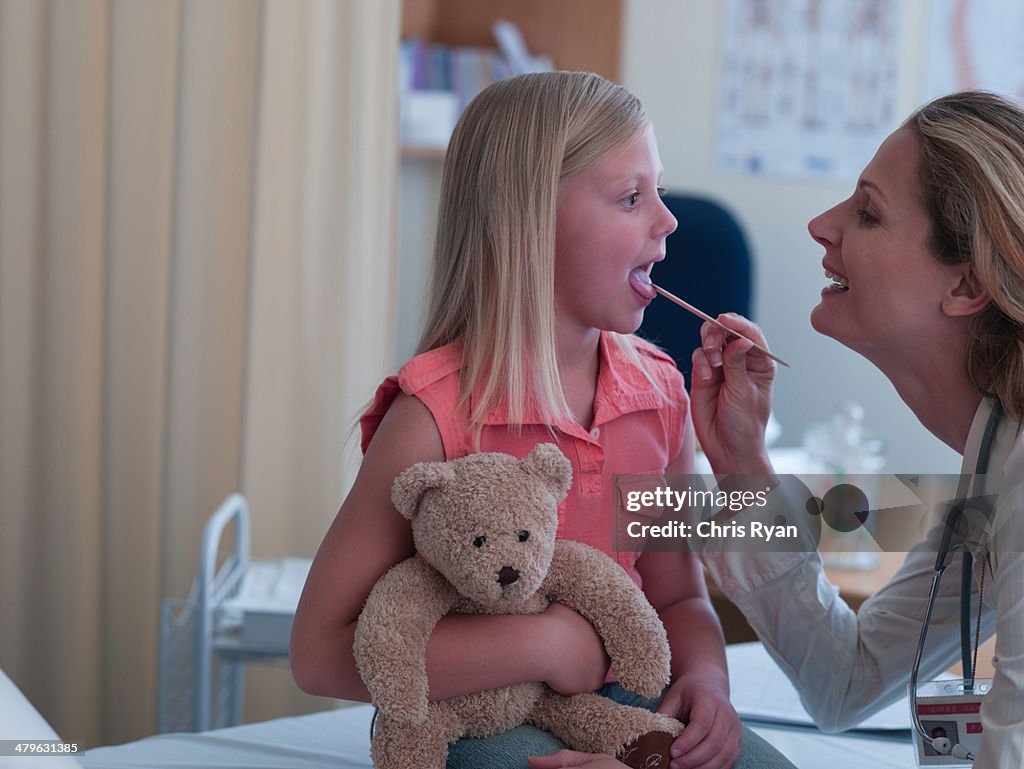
635	430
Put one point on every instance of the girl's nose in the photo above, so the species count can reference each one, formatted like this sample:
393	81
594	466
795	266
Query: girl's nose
667	223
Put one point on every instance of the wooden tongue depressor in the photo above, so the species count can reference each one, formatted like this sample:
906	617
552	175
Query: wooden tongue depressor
704	316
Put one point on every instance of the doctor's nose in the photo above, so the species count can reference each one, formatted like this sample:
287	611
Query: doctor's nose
824	228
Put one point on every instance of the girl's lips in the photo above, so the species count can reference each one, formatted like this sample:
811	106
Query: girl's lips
640	282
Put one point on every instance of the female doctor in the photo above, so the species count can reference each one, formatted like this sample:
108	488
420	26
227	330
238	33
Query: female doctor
926	262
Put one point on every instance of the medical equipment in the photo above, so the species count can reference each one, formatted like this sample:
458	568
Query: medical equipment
955	525
239	611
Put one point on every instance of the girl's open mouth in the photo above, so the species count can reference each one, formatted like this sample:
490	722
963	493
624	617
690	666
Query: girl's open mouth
640	282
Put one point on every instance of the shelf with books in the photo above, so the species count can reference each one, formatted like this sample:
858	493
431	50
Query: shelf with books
452	49
575	34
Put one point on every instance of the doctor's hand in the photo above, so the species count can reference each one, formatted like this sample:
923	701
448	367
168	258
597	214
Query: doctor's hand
731	396
713	735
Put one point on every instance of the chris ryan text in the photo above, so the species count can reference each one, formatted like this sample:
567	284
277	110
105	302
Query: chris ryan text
713	530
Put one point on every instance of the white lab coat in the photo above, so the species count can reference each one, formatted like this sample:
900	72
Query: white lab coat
847	664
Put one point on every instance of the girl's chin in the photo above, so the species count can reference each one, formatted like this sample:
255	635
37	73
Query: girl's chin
634	324
624	326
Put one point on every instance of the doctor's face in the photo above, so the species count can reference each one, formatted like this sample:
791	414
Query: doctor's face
885	285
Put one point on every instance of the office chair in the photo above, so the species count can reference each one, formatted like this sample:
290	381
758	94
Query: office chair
707	263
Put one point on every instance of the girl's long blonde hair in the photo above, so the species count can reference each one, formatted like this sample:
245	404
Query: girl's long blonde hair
494	255
972	171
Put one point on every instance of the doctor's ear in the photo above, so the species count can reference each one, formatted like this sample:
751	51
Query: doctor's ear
966	294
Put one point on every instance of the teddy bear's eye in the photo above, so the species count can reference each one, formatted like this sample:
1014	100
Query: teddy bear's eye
479	541
524	535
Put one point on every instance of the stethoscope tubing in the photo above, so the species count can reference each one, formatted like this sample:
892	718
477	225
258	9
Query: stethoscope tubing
941	563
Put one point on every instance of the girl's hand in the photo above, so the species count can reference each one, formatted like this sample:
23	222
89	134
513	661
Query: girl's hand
565	758
575	658
731	396
713	734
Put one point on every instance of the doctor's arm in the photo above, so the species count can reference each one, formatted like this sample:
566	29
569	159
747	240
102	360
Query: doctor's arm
845	664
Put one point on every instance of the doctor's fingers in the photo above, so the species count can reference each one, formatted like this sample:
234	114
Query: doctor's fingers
715	337
704	373
739	324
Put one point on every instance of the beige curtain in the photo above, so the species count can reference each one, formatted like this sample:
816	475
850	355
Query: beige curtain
196	294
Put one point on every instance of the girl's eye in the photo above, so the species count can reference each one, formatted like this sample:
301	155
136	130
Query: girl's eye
479	541
662	192
632	199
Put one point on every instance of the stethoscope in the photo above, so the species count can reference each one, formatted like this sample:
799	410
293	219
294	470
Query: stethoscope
943	745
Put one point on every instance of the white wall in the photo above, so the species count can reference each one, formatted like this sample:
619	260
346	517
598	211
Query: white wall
670	60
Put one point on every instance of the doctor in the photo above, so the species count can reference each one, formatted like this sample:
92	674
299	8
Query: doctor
926	263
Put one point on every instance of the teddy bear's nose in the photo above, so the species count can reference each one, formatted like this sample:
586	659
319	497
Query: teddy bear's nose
507	576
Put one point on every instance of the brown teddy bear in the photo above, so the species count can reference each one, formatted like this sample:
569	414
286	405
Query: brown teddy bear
484	528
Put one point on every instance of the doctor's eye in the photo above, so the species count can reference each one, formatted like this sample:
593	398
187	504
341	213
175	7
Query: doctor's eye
524	535
479	541
866	217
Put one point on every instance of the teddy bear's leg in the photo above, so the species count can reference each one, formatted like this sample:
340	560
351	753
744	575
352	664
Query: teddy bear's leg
399	745
596	724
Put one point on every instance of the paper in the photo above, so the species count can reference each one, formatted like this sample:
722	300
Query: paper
265	605
762	692
807	88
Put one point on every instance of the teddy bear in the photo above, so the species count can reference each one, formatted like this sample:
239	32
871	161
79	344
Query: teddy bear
484	529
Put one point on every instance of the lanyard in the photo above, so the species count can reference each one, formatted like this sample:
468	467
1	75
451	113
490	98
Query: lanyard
967	574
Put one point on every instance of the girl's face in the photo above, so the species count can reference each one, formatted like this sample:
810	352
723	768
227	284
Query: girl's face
886	286
610	222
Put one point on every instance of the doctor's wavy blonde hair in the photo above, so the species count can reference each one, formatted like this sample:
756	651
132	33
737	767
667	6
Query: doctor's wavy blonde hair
494	255
972	171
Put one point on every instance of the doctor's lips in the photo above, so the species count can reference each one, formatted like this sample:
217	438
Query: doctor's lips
704	316
839	283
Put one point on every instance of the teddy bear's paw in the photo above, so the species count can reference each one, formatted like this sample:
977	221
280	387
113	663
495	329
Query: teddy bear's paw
651	749
425	746
648	751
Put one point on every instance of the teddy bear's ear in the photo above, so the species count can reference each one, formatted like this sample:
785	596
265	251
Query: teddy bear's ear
550	465
413	482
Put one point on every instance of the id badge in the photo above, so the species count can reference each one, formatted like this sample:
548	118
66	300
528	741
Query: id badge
951	716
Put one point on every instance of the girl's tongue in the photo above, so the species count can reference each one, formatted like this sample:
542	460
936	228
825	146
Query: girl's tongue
640	282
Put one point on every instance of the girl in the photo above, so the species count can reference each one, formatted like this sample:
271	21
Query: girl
550	221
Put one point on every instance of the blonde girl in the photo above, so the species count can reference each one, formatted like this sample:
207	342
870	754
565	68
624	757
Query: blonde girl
549	223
